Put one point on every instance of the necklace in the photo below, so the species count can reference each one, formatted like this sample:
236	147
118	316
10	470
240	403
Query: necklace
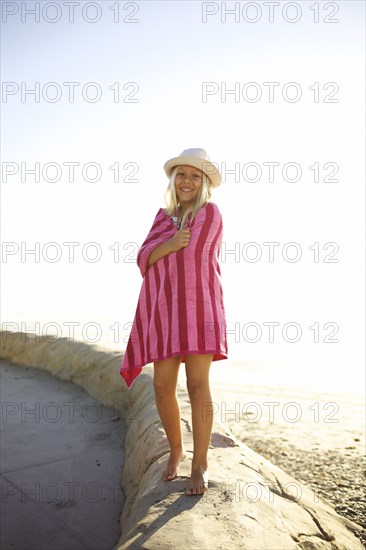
175	218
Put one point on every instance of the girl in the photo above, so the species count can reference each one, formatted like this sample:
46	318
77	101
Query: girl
180	316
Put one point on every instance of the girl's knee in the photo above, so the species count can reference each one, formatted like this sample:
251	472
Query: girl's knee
197	387
166	375
164	387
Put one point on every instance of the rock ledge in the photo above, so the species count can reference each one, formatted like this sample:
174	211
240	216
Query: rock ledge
251	504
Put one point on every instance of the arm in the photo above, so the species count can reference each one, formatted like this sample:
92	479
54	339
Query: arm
175	243
159	252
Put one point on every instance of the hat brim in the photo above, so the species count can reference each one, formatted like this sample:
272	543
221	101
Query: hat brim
205	166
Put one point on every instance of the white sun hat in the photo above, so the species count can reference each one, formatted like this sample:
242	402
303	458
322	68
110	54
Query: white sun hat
197	158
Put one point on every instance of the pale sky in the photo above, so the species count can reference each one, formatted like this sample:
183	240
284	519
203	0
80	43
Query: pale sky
165	61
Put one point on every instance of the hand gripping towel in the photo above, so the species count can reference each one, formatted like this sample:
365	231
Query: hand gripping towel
180	309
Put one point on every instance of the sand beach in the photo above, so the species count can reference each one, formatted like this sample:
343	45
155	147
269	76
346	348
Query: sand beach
313	443
316	437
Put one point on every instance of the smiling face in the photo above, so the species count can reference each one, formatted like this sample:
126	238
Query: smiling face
188	183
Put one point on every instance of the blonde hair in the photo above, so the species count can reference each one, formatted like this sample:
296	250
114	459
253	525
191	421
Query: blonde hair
171	202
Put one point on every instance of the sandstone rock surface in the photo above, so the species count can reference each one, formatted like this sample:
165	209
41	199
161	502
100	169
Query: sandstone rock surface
251	504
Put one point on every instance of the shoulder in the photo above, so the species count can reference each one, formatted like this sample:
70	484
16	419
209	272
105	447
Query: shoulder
160	216
161	212
213	205
213	210
208	214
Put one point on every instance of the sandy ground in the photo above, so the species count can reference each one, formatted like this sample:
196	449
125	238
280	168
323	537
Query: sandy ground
317	438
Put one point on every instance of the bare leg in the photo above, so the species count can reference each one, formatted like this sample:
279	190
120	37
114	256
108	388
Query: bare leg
197	370
165	386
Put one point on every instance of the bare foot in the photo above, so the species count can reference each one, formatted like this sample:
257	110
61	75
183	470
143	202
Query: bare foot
174	459
198	483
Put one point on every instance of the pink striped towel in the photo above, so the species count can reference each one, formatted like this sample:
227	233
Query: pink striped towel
180	309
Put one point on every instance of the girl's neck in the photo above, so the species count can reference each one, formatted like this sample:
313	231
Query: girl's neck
181	209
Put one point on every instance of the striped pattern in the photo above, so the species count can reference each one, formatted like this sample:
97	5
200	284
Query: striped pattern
180	309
